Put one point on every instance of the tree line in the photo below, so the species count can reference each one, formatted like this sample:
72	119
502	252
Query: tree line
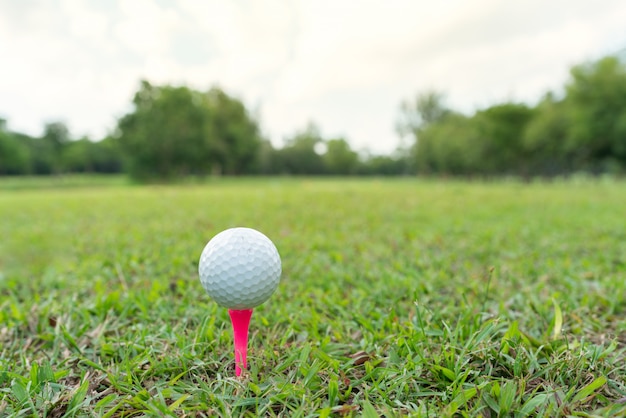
583	129
176	131
55	152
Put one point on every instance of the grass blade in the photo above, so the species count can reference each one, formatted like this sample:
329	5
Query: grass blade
588	390
459	400
558	320
368	410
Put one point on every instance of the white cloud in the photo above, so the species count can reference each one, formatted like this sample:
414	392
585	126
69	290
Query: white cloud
345	65
87	26
144	27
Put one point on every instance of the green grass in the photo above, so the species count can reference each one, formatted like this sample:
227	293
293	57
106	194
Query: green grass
61	181
398	297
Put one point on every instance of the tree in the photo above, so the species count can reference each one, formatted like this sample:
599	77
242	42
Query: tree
450	146
299	155
56	133
176	131
424	110
77	157
501	128
545	138
269	159
596	110
489	143
166	134
14	154
382	165
55	137
339	158
107	156
236	138
85	156
417	116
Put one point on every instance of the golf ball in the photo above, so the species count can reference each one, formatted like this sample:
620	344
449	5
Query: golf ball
240	268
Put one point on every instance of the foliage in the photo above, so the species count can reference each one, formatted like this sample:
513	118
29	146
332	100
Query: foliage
339	158
425	110
85	156
500	135
384	165
177	131
234	139
545	140
307	152
14	154
398	298
300	155
583	131
450	146
55	136
596	105
55	152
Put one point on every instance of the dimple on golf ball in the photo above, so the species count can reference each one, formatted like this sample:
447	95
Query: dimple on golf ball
240	268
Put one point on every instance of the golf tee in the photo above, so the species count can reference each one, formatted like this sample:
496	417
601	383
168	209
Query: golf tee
240	320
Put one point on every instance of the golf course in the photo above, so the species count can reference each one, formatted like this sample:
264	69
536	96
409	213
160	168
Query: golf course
398	297
317	209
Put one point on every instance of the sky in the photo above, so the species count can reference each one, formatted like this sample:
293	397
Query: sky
344	65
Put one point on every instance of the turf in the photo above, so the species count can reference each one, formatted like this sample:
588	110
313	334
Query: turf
398	297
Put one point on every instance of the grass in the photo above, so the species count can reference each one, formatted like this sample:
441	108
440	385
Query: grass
398	297
61	181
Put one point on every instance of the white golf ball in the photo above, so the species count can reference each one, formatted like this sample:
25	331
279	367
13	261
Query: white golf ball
240	268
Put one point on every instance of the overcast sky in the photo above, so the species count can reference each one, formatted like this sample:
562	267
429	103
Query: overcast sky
345	65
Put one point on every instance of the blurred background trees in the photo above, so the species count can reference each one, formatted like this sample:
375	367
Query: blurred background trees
176	131
55	152
14	152
584	130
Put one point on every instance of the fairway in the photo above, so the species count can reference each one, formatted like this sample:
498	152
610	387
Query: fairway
398	297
